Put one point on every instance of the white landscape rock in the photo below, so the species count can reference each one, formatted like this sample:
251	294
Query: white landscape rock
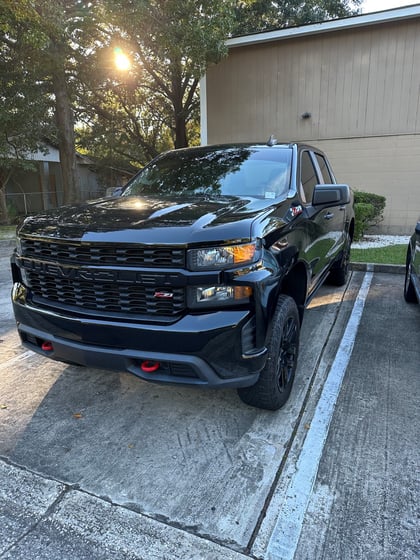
369	241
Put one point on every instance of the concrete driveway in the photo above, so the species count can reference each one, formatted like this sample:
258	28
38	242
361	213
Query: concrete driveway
101	465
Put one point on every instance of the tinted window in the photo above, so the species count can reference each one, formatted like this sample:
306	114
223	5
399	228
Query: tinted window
257	172
325	172
308	177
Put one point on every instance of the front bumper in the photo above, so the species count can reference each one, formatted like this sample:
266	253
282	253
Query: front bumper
207	349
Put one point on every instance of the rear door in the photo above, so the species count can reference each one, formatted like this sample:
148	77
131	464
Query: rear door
336	215
323	226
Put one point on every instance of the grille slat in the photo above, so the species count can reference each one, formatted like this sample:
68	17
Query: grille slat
104	254
132	299
127	297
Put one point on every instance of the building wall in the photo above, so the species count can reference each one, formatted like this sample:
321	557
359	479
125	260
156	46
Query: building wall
90	184
362	89
388	165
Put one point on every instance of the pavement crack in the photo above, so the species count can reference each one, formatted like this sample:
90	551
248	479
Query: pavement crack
45	515
67	488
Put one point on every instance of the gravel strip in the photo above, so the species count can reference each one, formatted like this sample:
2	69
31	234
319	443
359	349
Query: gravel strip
370	241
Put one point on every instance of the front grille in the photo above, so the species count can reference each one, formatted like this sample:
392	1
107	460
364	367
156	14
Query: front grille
132	292
136	299
98	254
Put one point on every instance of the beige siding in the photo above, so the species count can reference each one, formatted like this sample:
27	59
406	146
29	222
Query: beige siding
387	165
362	88
362	82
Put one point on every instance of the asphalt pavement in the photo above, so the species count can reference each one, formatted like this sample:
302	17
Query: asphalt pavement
101	465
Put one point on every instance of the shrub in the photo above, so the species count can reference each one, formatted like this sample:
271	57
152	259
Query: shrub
368	209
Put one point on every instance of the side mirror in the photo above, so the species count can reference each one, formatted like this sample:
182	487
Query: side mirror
331	195
418	227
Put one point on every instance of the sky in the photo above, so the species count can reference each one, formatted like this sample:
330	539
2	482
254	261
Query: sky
379	5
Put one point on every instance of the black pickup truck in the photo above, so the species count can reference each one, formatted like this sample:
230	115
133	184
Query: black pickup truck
199	273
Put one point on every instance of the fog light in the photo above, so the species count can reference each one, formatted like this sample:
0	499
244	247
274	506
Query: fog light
214	293
222	295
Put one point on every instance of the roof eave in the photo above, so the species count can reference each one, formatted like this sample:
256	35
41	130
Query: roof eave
353	22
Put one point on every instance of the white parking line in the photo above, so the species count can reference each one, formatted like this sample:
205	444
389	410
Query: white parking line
285	537
19	358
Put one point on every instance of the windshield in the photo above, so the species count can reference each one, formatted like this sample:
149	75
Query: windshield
260	172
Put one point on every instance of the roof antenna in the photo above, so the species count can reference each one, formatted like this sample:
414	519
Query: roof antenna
272	141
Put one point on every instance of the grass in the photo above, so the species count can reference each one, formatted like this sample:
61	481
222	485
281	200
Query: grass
391	254
7	232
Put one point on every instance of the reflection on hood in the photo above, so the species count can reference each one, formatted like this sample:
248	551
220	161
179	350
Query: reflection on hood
149	220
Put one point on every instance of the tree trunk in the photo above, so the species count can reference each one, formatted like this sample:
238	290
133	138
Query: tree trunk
4	213
181	140
65	125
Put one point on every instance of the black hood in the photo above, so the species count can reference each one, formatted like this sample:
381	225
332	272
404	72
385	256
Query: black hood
134	219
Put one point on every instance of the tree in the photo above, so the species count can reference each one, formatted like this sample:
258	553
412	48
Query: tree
55	30
120	123
261	15
62	52
25	111
172	43
68	26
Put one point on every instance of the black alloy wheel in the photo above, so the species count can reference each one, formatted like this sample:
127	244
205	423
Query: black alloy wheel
339	273
287	360
274	385
409	291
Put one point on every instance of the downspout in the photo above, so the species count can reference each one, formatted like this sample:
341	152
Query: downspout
203	110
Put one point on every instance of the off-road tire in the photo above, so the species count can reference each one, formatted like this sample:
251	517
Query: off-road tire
273	387
409	291
339	273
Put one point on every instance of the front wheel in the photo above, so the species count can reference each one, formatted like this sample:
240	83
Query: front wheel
273	387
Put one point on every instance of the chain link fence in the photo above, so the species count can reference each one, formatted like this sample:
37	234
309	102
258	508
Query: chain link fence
25	203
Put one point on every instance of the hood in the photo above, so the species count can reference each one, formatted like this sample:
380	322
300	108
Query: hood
132	219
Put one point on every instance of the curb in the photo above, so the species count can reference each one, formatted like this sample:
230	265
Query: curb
372	267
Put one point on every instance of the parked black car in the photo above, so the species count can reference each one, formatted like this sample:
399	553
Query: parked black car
412	268
198	273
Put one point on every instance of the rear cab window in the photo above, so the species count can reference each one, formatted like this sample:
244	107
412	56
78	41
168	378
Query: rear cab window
324	169
314	170
308	177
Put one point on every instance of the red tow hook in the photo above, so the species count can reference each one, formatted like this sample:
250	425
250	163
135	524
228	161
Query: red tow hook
47	346
149	367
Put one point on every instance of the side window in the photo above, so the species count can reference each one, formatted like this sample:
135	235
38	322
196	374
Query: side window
308	177
328	179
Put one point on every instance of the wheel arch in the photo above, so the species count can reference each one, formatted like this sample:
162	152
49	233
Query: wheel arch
351	230
295	285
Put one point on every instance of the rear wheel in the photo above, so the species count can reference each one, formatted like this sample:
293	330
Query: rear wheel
409	291
273	387
338	275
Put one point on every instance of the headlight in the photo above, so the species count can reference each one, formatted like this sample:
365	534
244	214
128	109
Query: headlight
215	296
211	258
